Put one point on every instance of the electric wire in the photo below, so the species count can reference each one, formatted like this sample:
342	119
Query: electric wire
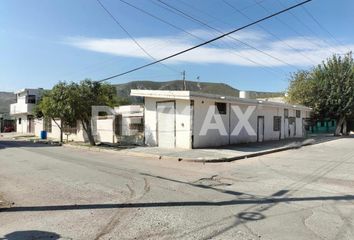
208	41
131	36
268	31
229	36
191	34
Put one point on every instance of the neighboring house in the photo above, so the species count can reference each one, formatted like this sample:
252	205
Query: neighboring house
22	110
129	120
177	119
125	124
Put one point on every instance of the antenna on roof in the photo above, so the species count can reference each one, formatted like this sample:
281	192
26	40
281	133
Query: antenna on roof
184	80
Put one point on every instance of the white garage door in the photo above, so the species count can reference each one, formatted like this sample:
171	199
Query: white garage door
166	124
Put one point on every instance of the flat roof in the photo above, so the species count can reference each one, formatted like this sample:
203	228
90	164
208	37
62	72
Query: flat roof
28	89
186	95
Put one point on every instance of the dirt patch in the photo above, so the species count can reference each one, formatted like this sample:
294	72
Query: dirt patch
4	203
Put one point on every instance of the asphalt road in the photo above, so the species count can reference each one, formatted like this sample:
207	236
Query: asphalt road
65	193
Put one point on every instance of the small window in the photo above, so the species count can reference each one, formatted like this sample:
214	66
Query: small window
221	107
286	113
136	126
19	121
298	113
70	128
276	123
322	123
333	124
31	99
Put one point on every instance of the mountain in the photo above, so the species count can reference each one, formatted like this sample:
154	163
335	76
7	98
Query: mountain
123	90
6	98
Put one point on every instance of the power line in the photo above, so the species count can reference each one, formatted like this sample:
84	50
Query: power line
209	41
306	26
131	36
288	25
231	37
264	67
321	26
265	29
189	33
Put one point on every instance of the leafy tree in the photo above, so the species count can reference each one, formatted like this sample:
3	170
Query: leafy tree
87	94
57	104
301	88
328	89
72	102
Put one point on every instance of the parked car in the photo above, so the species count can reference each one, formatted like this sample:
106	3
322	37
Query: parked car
9	129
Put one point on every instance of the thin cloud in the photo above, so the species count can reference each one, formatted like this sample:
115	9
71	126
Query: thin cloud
226	52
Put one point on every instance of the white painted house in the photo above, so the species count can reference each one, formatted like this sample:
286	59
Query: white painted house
185	119
121	123
22	110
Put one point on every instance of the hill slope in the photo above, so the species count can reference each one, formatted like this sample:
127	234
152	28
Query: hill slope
6	98
123	90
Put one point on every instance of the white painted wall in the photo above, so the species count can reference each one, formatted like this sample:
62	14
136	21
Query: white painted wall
213	137
23	127
183	122
150	121
105	130
55	133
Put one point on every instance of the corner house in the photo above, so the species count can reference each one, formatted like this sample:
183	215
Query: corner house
185	119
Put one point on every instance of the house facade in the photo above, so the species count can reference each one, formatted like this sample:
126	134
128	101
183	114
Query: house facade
124	123
22	110
186	119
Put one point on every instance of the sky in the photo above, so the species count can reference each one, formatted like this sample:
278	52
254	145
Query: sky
43	42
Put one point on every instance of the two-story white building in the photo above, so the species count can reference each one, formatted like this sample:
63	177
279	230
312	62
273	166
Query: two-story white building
22	110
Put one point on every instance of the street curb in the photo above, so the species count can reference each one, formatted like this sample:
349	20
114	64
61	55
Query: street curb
231	159
123	151
295	145
214	160
90	148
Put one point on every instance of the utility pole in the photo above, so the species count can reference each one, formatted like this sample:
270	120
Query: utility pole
184	80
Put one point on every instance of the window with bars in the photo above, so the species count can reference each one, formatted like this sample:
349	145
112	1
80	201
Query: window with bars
70	128
276	123
298	113
31	99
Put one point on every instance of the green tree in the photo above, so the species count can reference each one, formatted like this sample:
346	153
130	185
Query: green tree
57	104
90	93
72	102
328	89
301	88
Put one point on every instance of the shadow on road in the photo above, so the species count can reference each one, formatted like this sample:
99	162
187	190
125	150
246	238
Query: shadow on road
18	144
31	234
176	204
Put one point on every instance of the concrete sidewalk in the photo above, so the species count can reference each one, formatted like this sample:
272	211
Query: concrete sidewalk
219	154
15	135
226	153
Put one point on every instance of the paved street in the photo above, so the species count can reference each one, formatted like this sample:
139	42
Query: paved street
65	193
